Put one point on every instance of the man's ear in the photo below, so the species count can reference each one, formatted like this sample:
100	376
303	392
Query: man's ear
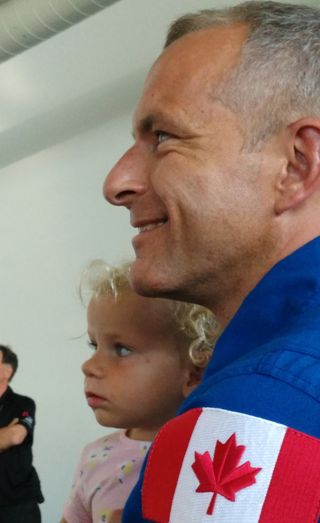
301	176
192	379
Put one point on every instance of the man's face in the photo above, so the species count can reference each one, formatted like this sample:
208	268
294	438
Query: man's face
200	201
5	371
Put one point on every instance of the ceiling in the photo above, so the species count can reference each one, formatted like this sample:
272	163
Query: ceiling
83	76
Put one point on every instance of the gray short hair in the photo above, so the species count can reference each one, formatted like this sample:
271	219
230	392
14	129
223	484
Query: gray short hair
198	324
277	78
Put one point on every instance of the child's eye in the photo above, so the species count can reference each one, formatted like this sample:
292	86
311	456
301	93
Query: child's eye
92	345
122	351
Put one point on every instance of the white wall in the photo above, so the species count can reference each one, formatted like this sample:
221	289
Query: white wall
53	221
65	110
65	117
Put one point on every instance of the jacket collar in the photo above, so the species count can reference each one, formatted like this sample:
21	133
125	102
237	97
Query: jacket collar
6	395
272	306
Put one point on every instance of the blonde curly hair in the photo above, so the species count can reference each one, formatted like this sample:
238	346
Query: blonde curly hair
197	323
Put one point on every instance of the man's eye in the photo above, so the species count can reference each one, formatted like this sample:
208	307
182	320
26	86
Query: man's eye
122	351
162	136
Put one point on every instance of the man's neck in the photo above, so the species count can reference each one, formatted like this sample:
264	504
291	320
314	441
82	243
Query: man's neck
3	388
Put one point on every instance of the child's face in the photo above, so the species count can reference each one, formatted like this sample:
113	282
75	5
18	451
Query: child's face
139	371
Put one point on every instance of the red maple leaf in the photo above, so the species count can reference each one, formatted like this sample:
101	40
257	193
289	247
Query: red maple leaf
222	475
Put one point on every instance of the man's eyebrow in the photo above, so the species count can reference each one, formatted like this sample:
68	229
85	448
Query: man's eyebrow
152	120
145	125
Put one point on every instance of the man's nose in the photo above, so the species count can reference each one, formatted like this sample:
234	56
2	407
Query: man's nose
126	180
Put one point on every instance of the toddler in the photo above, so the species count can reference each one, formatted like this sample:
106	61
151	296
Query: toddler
148	355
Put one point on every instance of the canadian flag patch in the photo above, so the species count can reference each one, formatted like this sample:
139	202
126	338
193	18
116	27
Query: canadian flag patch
212	465
222	475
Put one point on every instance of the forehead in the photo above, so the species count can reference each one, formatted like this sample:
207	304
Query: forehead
187	72
130	308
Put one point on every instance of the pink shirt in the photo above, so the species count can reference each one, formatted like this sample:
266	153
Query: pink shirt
108	470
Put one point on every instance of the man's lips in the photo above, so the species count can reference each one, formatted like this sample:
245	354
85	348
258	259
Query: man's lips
147	224
151	226
145	228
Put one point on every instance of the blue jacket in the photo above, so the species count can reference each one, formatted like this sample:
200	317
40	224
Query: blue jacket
267	362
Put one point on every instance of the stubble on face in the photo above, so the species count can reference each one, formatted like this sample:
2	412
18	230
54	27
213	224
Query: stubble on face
217	232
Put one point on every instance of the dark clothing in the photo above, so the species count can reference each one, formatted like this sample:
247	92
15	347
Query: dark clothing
19	482
24	513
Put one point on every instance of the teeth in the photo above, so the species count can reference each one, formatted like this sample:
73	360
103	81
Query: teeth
151	226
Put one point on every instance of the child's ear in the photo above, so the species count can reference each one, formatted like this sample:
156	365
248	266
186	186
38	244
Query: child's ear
193	378
301	176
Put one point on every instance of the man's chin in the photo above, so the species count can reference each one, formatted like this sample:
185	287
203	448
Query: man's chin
142	287
152	286
146	283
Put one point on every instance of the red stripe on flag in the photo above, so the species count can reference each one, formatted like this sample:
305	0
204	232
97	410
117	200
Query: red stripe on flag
294	491
164	465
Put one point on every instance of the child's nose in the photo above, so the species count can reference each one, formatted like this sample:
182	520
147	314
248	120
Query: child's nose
94	366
